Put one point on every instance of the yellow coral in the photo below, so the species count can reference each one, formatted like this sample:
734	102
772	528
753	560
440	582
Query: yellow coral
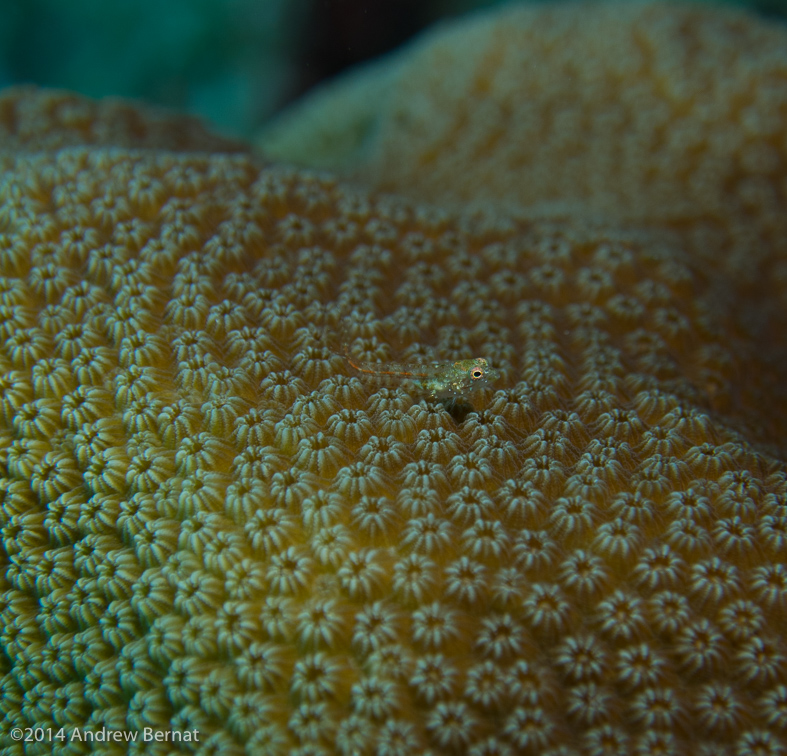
666	115
210	522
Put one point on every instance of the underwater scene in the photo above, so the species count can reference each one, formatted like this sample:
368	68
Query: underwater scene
393	378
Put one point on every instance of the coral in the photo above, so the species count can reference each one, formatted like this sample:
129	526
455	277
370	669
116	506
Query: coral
210	520
661	114
33	121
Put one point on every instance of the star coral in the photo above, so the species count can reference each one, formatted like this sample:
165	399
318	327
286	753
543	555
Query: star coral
664	115
210	521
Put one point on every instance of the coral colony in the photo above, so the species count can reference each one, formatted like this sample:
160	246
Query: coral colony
216	524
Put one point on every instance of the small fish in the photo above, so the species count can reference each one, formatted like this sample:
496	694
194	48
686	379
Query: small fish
439	380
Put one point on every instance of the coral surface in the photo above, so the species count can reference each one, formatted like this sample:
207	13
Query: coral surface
210	521
666	115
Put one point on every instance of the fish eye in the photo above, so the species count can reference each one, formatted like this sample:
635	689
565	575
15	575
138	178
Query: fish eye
476	373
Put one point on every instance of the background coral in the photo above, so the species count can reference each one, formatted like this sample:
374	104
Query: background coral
663	115
234	62
210	522
32	121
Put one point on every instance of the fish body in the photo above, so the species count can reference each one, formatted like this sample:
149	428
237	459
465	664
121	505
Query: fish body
438	380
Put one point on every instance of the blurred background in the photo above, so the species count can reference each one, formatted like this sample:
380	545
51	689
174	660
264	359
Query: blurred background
233	62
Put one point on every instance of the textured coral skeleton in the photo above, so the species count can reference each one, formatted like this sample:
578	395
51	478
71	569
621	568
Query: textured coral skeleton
210	521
